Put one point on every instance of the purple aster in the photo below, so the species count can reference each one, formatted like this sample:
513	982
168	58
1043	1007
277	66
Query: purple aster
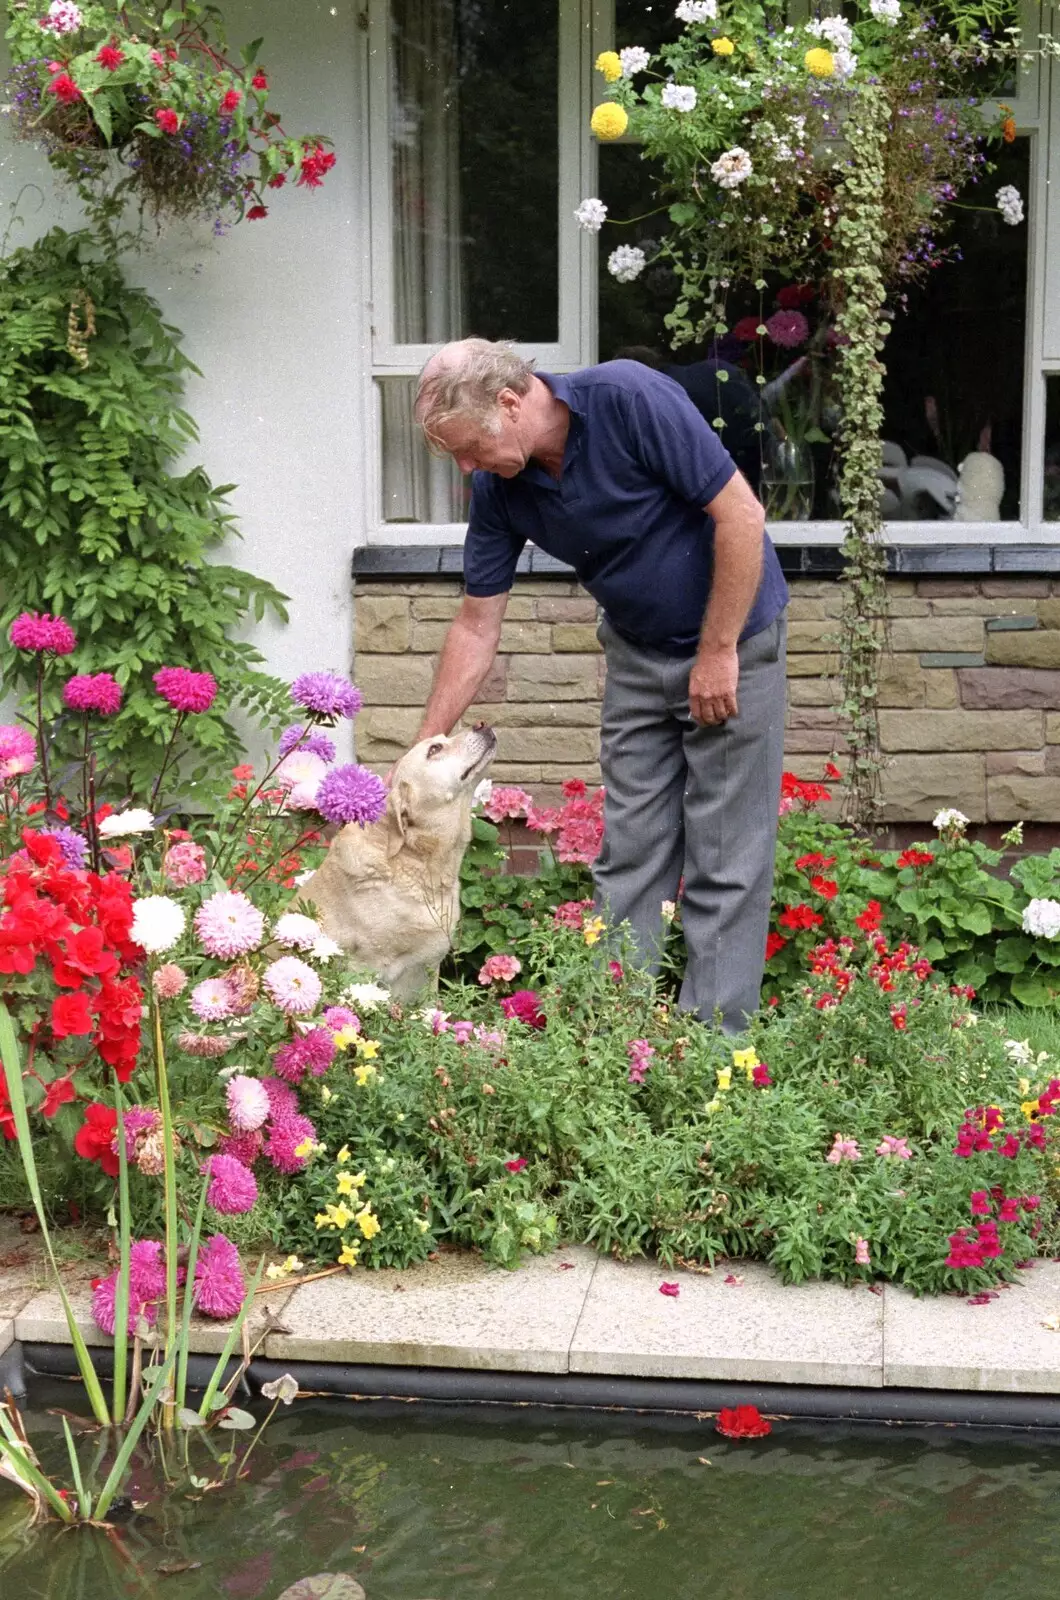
233	1187
286	1135
317	744
73	845
788	329
326	695
351	794
220	1287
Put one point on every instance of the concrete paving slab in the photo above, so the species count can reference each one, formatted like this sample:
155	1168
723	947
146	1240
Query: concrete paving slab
43	1321
946	1343
7	1335
453	1312
757	1330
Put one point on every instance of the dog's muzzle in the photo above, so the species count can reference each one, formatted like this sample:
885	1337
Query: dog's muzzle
482	747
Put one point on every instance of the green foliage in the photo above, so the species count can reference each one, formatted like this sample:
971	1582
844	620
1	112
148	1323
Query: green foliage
96	523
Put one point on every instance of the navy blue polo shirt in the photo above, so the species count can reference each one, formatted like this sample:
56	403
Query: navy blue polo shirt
627	512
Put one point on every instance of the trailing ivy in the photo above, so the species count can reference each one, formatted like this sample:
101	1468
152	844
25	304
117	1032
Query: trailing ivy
95	520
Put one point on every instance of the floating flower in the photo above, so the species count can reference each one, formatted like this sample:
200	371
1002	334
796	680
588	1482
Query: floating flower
220	1288
590	215
100	692
732	168
499	969
18	750
609	121
211	1000
296	932
609	64
292	985
229	924
843	1150
248	1102
169	981
340	1019
300	775
678	97
40	632
672	1290
633	59
137	819
1042	918
204	1045
484	788
326	695
312	741
351	793
232	1189
626	262
760	1078
158	923
185	690
517	1165
742	1422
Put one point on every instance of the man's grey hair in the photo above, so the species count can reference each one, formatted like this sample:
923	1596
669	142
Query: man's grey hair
464	379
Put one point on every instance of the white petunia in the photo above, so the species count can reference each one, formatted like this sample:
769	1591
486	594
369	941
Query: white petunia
679	97
482	792
157	923
634	58
887	11
697	10
836	30
626	263
1042	919
135	820
732	168
845	62
295	931
1010	204
366	996
591	215
948	817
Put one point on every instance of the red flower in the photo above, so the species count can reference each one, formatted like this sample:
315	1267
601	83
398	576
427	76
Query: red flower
315	163
230	100
84	956
742	1422
57	1093
800	916
915	858
775	942
817	862
870	918
747	329
517	1165
110	57
574	789
64	88
523	1006
259	80
760	1076
671	1289
95	1136
7	1120
900	1017
825	887
794	295
71	1013
278	181
42	848
167	120
615	969
256	213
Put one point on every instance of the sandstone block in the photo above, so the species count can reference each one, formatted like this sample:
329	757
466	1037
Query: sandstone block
421	586
567	610
914	607
515	772
1013	796
427	638
560	746
956	730
937	633
521	637
535	714
557	587
436	608
1049	612
811	666
1041	649
811	588
381	623
902	681
1029	762
946	588
394	680
384	732
980	606
808	717
1008	688
805	741
1003	588
588	772
1052	727
574	636
813	691
940	691
916	786
811	635
805	610
553	677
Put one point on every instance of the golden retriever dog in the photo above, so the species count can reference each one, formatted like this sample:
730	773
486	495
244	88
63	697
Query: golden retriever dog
389	894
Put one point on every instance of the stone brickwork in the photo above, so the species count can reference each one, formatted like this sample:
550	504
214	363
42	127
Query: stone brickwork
969	695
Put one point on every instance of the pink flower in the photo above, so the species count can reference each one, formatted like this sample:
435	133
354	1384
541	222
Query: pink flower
463	1031
204	1045
293	985
517	1165
640	1054
169	981
843	1150
489	1038
543	819
220	1288
137	1120
283	1102
186	690
65	89
185	863
41	632
93	692
979	1203
211	1000
861	1252
670	1289
524	1006
18	750
499	969
169	122
615	969
147	1285
789	329
230	100
760	1076
248	1102
228	924
246	1147
507	804
286	1135
233	1187
338	1018
893	1146
571	914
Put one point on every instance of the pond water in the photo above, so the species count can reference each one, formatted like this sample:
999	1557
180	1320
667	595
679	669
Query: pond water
423	1502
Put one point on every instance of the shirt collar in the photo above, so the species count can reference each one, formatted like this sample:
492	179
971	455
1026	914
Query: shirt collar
560	384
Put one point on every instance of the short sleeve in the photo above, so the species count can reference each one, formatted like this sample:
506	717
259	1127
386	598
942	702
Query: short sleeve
492	548
676	443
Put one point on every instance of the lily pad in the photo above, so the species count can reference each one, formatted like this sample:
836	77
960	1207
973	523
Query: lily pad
325	1586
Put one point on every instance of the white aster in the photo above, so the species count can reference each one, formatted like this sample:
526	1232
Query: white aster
324	948
626	263
366	996
1010	204
295	931
887	11
697	10
634	58
136	820
732	168
1042	919
300	767
157	923
590	215
679	97
949	817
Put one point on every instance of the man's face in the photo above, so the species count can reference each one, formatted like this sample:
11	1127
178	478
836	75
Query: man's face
475	449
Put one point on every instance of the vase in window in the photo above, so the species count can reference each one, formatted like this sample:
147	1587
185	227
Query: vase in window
787	478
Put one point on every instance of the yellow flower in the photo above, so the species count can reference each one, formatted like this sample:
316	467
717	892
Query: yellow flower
592	929
325	1094
323	1219
368	1223
275	1270
722	46
363	1073
609	121
712	1106
368	1048
347	1256
747	1059
345	1184
341	1215
360	1179
292	1264
608	63
345	1037
343	1156
422	1224
724	1077
1030	1109
820	62
305	1149
1025	1086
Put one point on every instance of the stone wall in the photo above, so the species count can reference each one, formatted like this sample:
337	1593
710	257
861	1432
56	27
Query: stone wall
970	692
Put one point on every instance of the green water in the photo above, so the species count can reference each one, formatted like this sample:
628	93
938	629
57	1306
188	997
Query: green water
427	1503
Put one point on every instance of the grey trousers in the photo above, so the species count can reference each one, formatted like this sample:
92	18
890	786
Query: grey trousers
702	801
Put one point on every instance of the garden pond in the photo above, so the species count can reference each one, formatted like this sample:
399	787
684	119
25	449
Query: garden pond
420	1502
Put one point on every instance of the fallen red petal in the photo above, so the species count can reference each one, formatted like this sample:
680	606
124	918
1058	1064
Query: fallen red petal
672	1289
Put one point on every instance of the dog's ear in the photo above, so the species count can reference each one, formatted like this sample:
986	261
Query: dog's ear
398	816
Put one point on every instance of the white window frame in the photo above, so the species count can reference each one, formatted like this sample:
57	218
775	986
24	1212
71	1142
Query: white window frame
585	28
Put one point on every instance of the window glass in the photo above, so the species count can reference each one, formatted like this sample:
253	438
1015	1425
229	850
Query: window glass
416	487
1051	496
474	167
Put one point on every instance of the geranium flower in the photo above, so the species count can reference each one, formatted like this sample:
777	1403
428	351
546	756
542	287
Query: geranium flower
742	1422
591	215
63	17
524	1006
627	262
499	969
517	1165
167	119
94	1140
775	942
507	804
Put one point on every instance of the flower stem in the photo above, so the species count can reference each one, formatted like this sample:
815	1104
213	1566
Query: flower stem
165	758
41	743
170	1182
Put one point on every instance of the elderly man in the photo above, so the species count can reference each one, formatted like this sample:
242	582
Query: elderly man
613	470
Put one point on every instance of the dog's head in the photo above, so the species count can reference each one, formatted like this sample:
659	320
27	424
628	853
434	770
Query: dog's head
435	775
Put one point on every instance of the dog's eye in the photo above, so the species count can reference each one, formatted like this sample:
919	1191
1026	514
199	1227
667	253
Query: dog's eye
435	750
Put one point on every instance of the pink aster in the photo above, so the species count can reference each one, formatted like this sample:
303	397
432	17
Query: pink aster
147	1285
137	1120
229	924
18	751
248	1102
843	1150
246	1147
291	1061
319	1047
43	634
87	691
211	1000
169	981
220	1287
788	329
507	803
499	969
186	690
283	1102
286	1135
292	985
339	1018
184	864
233	1188
524	1006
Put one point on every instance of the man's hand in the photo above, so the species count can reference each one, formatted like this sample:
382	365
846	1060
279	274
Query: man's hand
712	686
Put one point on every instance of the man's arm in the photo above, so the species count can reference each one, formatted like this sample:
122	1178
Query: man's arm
739	522
466	658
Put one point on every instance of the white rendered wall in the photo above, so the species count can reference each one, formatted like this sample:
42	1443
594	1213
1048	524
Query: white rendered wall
274	314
